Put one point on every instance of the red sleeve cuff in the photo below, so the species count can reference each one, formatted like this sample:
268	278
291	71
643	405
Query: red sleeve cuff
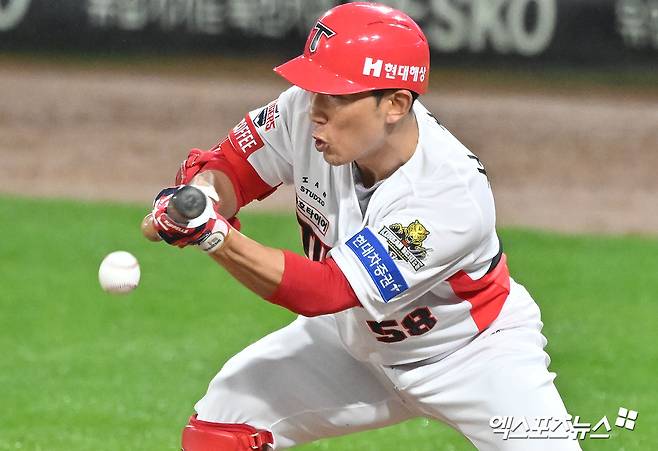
247	184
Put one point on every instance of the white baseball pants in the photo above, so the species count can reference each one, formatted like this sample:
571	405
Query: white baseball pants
301	384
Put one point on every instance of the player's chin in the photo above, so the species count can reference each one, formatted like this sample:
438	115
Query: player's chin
334	159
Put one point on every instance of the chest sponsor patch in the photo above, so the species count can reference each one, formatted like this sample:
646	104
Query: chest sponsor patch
380	266
313	216
406	242
245	137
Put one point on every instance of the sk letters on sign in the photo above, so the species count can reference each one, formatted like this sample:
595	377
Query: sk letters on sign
502	26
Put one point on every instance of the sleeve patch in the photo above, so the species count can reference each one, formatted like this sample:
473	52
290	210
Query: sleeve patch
380	266
268	116
244	137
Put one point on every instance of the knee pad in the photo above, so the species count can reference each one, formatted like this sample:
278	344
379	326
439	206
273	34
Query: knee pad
205	436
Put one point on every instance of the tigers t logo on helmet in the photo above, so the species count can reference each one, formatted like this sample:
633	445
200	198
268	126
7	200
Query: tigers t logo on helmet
320	30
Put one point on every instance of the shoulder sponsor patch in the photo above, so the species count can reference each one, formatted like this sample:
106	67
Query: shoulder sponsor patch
267	117
406	242
245	137
380	266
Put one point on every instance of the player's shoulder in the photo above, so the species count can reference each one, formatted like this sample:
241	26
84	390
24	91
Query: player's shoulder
281	113
292	107
438	144
294	97
440	158
288	101
441	178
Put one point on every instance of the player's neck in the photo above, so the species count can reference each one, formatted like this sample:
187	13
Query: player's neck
400	145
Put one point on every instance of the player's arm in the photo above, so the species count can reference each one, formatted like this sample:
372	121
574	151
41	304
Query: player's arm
250	163
234	180
228	203
237	183
282	277
259	268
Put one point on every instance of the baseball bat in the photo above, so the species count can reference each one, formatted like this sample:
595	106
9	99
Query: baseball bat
188	203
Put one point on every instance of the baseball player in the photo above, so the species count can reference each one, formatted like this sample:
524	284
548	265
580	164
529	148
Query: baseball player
406	307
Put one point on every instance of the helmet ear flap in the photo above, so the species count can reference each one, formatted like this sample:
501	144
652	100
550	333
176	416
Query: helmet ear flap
357	47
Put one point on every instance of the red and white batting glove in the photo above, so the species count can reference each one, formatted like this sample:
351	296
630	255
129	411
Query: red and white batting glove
208	230
193	164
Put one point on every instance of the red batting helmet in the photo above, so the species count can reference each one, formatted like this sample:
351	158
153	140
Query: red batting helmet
360	47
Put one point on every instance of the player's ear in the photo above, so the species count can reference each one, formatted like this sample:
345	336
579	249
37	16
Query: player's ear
399	104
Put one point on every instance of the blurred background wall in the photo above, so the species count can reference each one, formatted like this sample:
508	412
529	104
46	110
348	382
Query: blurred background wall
101	99
562	31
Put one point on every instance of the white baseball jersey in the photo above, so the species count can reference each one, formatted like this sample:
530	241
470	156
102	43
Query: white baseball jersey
424	258
425	262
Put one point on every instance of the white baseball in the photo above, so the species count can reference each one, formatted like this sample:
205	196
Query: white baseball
119	272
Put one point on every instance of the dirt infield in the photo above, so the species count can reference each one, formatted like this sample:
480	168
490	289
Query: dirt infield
571	161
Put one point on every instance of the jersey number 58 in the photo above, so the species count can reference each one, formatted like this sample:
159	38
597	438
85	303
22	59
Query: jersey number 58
418	322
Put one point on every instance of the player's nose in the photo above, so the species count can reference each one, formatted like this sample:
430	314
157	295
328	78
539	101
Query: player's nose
317	112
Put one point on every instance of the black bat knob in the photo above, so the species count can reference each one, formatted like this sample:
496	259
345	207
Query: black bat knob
188	202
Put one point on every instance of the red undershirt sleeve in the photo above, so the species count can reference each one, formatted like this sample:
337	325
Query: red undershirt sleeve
246	182
312	288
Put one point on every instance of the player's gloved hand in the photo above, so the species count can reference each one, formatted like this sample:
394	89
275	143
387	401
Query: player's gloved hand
208	230
193	164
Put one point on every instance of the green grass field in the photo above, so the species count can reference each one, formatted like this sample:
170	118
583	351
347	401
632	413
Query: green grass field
83	370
